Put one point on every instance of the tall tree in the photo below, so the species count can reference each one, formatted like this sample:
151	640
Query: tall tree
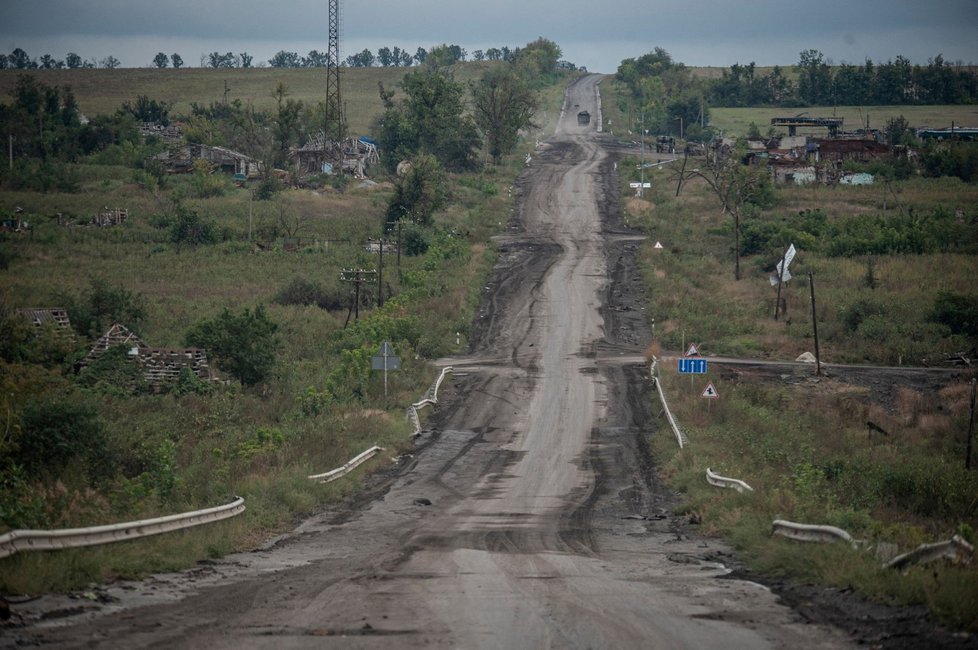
736	187
814	78
315	59
72	60
283	59
177	60
362	59
161	60
218	60
431	119
20	60
503	104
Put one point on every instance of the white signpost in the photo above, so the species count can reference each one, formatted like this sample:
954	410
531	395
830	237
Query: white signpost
385	360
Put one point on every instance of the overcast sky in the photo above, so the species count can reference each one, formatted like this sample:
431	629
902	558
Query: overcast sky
594	33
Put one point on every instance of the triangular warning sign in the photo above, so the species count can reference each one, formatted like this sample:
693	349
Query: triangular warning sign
692	351
658	245
710	392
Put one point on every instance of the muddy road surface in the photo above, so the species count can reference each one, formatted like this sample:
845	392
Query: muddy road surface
529	517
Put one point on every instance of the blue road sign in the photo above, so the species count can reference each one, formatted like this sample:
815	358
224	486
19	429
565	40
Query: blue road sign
692	366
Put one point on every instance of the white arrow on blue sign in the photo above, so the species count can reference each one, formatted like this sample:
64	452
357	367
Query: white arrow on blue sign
692	366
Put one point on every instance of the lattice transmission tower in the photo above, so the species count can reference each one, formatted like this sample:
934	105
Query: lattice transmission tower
333	128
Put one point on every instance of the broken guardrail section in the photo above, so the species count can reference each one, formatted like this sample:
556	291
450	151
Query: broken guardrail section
430	398
346	468
47	540
724	482
955	548
811	533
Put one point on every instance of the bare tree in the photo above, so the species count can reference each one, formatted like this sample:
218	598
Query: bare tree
735	185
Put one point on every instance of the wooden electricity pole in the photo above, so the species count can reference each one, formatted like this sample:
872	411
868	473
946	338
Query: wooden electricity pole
971	427
356	277
777	300
818	358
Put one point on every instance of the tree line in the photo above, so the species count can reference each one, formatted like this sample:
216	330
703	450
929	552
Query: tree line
869	84
671	99
19	59
385	57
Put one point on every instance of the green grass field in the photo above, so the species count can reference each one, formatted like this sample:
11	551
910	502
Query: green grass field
737	121
101	91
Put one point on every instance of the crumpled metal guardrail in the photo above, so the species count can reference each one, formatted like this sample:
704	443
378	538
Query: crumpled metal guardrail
349	466
954	548
46	540
430	398
724	482
811	533
680	436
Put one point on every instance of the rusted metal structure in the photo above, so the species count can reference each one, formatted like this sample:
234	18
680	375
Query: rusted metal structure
833	124
325	156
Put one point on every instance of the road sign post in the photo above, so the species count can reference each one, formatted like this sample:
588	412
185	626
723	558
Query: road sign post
385	360
692	366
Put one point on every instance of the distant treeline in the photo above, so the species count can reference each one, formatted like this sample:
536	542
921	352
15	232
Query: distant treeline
870	84
664	96
387	57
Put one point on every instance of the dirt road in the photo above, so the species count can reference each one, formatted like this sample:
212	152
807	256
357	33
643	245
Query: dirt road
530	517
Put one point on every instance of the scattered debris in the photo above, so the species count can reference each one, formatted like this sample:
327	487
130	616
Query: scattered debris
321	156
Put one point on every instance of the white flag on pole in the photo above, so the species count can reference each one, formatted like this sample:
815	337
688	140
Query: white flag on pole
784	276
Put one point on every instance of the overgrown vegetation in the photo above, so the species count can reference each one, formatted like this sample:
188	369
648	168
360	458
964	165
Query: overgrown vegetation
893	267
256	284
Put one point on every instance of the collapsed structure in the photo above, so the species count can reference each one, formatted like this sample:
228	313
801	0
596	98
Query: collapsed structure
324	156
159	365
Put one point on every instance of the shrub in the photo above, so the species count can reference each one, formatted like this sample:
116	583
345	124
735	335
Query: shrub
102	305
856	312
414	239
244	344
114	372
56	430
188	228
300	291
959	312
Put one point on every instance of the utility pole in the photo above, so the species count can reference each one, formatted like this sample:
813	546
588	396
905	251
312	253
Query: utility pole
971	426
380	264
356	277
641	188
818	358
777	301
226	91
398	250
380	277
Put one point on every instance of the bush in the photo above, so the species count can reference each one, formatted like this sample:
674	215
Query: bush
55	431
101	306
188	228
114	372
244	345
959	312
300	291
414	239
862	309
